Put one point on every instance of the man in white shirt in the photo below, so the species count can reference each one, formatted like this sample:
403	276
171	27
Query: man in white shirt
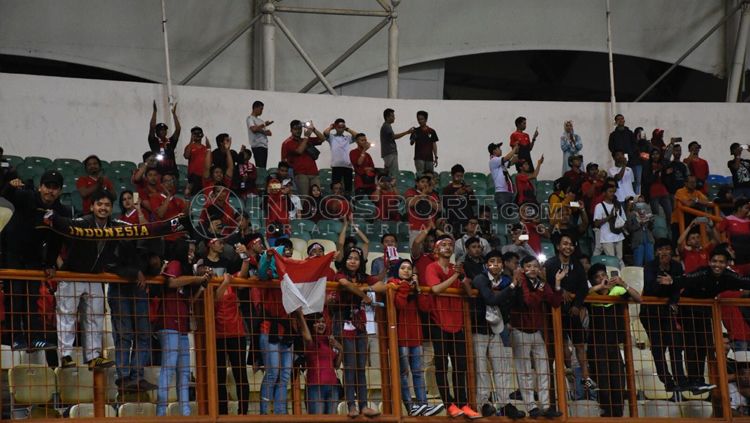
258	133
623	175
609	217
340	141
499	171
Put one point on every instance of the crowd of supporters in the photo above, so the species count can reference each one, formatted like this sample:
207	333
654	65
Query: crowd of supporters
632	211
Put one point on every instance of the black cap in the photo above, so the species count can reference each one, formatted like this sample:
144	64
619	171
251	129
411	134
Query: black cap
160	125
52	177
492	146
693	143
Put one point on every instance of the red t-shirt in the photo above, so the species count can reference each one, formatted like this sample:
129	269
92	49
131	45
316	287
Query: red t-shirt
699	168
521	138
409	325
447	311
359	169
131	217
143	188
209	182
320	358
174	309
303	164
535	239
176	207
197	162
738	231
693	260
420	219
228	319
731	315
388	206
332	212
87	182
525	189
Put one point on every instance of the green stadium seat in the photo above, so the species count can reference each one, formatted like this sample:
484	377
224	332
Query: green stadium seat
38	161
407	174
72	165
123	164
327	226
14	161
118	175
30	171
609	261
76	202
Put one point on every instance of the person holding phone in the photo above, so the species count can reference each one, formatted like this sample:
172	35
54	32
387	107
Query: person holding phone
519	242
521	139
740	169
693	253
258	133
608	332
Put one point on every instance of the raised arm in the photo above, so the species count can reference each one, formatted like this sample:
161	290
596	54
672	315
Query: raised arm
538	167
223	287
230	164
207	163
402	134
152	122
177	126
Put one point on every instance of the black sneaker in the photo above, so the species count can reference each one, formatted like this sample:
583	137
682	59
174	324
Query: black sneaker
20	345
516	395
488	410
552	413
432	410
702	388
67	361
42	344
510	411
417	409
535	413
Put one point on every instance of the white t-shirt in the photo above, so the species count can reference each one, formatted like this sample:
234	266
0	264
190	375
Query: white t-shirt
256	139
624	185
340	149
497	170
605	234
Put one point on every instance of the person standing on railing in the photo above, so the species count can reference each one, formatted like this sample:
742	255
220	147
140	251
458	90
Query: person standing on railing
351	325
161	145
27	247
661	326
574	311
737	227
530	294
87	257
697	166
707	282
490	314
608	332
173	322
231	342
447	330
689	196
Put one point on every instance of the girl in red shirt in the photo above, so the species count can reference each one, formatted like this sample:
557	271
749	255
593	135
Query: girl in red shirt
323	356
131	210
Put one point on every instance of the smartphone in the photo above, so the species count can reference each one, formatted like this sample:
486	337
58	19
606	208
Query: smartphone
701	219
574	204
523	237
391	253
614	274
136	197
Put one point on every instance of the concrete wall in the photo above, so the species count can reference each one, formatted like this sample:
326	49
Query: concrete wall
126	35
60	117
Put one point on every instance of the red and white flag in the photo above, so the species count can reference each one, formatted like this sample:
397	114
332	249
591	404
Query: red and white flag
303	282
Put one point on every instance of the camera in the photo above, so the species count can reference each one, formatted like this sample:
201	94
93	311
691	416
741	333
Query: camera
275	229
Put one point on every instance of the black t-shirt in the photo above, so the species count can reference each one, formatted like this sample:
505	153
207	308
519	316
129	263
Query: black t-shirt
219	159
676	178
223	263
168	164
741	175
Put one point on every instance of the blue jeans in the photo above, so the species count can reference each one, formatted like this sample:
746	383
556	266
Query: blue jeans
321	399
637	173
175	356
643	253
277	359
355	377
410	358
131	329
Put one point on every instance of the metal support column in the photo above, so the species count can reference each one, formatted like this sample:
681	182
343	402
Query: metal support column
740	51
612	98
304	55
393	52
170	98
269	46
690	50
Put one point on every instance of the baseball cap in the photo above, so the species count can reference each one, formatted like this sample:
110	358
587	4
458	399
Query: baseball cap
52	177
492	146
160	125
692	143
591	166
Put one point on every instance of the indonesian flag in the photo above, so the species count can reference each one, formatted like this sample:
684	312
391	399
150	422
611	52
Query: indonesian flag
303	282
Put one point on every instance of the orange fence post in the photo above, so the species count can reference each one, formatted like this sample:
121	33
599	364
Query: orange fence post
296	397
100	399
471	378
721	362
201	375
385	374
393	354
210	351
629	367
559	341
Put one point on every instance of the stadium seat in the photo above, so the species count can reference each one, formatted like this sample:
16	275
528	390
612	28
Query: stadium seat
548	249
609	261
86	410
696	409
633	275
31	384
63	163
173	409
661	408
75	385
330	226
14	161
38	161
137	409
651	386
303	225
300	245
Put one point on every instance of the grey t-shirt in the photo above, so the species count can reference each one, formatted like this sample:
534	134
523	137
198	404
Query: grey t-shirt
256	139
387	140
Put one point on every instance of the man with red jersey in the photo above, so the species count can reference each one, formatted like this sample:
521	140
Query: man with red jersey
690	246
295	150
195	153
447	329
364	167
92	182
521	138
422	206
697	166
737	227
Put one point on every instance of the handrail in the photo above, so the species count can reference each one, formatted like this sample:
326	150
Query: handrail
715	217
206	379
